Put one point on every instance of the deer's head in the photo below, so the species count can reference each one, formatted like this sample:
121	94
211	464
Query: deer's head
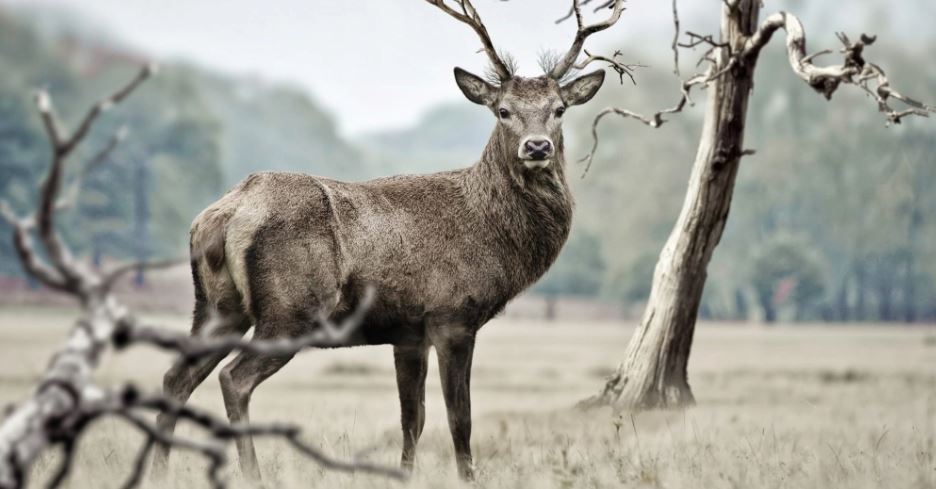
529	111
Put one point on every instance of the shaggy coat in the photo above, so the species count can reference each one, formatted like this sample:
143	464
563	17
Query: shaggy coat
444	253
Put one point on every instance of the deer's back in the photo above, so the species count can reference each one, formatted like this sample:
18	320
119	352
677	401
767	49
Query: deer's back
299	239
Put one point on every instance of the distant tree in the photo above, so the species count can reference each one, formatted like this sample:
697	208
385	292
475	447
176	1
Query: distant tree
633	284
787	270
21	143
579	271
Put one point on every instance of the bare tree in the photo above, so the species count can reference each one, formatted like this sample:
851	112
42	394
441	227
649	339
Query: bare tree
653	373
67	400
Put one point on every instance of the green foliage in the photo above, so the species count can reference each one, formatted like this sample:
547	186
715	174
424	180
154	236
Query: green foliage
191	135
633	284
579	270
447	137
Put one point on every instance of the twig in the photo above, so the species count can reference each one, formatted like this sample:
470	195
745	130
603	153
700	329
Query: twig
675	45
854	70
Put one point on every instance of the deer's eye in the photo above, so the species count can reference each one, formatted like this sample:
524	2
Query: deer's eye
504	113
560	111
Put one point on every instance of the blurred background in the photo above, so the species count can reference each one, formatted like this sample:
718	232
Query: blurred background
832	218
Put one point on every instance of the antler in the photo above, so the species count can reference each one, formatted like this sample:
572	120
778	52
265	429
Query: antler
567	61
469	15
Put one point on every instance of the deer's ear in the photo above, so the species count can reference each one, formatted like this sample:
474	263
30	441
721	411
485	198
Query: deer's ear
476	89
583	88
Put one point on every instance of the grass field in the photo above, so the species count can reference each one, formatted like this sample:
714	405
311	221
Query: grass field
786	407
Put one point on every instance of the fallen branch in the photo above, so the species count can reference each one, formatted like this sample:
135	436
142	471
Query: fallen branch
67	400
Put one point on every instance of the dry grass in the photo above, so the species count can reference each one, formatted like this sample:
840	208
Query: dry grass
804	407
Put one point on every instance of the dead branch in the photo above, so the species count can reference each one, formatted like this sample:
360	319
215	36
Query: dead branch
854	70
67	400
469	15
71	195
675	44
654	120
697	39
191	348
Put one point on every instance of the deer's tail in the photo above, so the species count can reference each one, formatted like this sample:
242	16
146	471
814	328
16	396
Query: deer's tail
208	236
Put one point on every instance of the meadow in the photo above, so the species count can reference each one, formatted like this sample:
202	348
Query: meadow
805	406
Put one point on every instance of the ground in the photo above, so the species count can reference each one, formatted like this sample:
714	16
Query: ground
790	406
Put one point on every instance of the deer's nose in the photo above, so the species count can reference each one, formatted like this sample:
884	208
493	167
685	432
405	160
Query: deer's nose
538	148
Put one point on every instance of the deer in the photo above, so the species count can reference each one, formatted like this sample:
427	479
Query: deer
445	252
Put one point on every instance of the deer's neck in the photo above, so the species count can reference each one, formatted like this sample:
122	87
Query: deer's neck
528	212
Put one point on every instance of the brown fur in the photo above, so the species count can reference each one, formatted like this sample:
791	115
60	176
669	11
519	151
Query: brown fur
445	252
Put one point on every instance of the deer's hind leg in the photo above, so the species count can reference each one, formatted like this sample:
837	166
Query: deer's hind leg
185	376
239	378
286	304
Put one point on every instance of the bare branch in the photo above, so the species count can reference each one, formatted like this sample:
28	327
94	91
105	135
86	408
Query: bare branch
26	251
567	61
212	450
111	277
59	256
105	104
139	464
67	400
697	39
224	432
49	120
656	119
469	15
194	347
826	79
70	196
675	44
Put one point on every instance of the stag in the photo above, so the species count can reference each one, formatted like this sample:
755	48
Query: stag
444	252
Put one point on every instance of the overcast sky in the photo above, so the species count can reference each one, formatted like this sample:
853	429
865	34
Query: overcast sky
373	63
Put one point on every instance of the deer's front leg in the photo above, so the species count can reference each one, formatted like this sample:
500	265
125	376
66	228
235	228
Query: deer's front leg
411	366
454	348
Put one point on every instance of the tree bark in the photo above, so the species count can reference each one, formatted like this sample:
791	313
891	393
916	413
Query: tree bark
653	374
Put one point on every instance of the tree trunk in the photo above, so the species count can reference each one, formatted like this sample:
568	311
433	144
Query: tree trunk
913	232
885	294
842	301
551	300
653	374
767	305
741	305
861	280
